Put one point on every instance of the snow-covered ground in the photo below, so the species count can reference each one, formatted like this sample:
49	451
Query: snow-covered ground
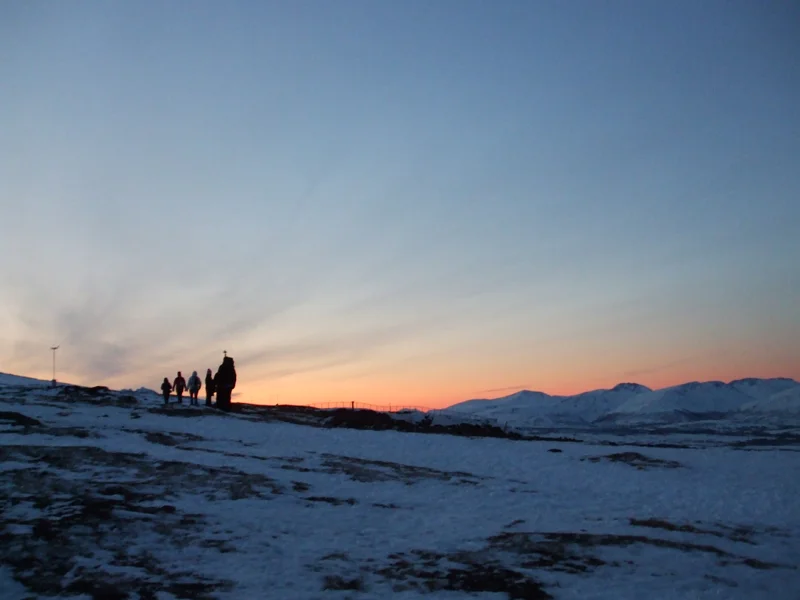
112	495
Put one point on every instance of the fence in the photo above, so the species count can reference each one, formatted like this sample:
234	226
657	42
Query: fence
457	417
375	407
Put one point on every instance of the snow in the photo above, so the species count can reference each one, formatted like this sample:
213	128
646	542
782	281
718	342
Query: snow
763	389
631	403
7	379
9	588
281	510
785	401
711	396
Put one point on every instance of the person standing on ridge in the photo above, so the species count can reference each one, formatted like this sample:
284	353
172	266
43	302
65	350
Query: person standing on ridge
225	381
194	388
209	387
179	385
166	388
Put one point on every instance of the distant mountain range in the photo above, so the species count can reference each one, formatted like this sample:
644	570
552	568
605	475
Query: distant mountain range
630	403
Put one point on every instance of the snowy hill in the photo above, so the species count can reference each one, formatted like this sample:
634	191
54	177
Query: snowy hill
540	409
787	401
110	494
524	406
6	379
630	403
590	406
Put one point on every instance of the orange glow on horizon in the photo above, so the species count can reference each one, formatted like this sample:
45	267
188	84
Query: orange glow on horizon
439	385
386	393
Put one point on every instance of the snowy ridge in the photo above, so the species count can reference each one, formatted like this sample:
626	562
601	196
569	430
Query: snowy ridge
630	403
8	379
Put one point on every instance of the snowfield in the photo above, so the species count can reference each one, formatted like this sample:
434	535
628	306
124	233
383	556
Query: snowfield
112	495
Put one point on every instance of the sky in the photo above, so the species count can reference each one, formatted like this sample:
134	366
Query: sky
414	202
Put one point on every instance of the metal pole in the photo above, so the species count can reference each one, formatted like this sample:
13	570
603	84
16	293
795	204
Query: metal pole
54	348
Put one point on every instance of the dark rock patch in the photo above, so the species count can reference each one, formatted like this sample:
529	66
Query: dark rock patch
567	550
781	439
380	421
171	438
635	459
30	426
332	500
16	418
179	410
337	582
431	572
98	395
514	523
364	470
97	590
335	556
735	534
113	501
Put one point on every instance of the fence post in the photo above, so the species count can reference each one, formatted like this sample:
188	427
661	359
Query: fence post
352	405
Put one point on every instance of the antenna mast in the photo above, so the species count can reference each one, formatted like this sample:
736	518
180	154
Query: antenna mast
54	348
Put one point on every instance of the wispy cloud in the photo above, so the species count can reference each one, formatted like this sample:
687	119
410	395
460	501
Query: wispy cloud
510	388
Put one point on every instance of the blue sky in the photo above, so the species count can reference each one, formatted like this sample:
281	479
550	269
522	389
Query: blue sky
400	201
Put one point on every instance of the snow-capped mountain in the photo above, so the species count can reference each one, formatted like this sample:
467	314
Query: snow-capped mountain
631	403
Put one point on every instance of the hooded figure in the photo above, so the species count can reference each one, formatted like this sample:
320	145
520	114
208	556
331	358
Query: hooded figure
179	385
194	387
224	382
166	388
209	387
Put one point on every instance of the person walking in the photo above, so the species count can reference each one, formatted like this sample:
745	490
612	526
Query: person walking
225	381
194	386
179	385
166	388
209	387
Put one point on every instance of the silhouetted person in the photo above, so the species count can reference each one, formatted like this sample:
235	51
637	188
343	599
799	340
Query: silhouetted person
210	389
179	385
194	388
225	381
166	388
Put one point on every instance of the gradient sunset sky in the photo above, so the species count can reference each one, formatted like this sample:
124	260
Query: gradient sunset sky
416	201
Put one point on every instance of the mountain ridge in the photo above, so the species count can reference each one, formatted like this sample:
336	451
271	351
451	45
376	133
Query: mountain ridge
628	402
